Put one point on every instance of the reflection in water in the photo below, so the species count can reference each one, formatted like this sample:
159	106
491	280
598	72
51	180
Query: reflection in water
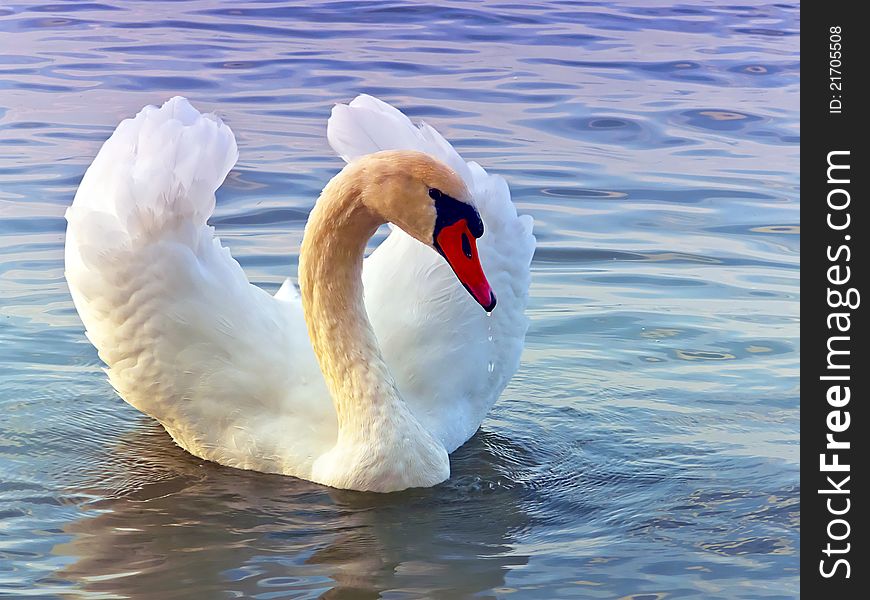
173	521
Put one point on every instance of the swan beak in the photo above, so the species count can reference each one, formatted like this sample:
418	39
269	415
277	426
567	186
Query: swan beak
459	247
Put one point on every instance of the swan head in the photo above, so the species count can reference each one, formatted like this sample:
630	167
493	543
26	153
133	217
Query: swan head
430	202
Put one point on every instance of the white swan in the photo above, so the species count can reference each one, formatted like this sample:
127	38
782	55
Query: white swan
412	364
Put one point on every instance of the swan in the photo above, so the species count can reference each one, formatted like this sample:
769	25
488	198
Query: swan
365	377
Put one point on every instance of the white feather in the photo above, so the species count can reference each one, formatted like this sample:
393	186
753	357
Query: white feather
228	369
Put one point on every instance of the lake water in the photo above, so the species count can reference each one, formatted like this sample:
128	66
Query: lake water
648	446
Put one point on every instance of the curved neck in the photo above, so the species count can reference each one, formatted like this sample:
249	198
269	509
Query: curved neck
380	446
330	281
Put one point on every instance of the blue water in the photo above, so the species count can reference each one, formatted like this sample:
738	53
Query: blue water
648	446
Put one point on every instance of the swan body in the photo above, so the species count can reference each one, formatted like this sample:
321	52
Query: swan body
370	376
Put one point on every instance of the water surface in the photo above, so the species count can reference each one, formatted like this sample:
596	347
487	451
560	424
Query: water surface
648	446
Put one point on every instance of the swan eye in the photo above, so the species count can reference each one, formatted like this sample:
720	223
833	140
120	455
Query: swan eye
449	210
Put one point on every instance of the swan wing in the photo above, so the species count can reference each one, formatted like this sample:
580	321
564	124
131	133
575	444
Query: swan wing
450	359
224	366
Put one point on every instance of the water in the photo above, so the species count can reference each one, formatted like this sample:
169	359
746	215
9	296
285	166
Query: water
648	446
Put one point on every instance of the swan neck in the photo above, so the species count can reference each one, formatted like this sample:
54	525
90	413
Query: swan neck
330	280
380	446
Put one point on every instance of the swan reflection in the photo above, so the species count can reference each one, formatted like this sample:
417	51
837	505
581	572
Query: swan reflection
167	522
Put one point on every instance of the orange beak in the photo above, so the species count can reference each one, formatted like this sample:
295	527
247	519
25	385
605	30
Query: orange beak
456	244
